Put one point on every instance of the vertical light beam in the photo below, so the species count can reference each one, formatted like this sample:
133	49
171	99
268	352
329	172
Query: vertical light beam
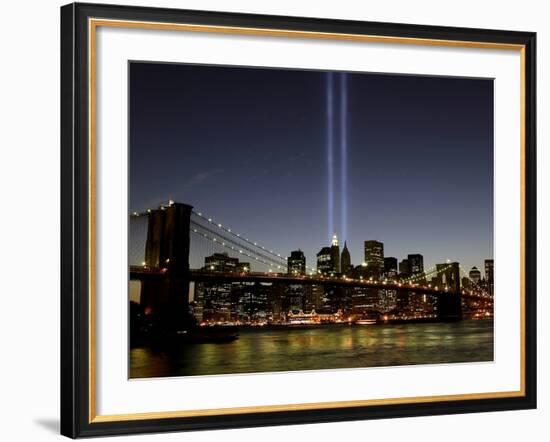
330	153
344	155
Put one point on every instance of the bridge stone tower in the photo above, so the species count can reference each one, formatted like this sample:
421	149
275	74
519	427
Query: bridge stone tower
167	250
449	306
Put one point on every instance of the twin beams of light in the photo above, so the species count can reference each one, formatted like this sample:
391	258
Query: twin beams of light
330	152
337	133
344	155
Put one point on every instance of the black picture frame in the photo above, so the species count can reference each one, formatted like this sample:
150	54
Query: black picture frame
76	418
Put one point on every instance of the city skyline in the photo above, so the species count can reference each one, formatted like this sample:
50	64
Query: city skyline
196	261
226	290
298	264
396	182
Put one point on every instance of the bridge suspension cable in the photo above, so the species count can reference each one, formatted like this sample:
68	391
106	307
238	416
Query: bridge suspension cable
265	252
236	246
221	235
222	243
430	271
237	235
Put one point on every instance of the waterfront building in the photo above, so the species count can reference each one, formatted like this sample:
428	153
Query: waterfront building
314	296
217	301
490	275
403	302
213	301
295	297
250	302
364	300
422	304
276	296
387	300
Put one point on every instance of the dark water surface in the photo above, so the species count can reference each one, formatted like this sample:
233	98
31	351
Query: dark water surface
323	347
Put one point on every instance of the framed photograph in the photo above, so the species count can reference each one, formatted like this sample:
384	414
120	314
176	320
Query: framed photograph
279	220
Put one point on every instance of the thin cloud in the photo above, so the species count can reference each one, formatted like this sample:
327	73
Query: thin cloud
201	177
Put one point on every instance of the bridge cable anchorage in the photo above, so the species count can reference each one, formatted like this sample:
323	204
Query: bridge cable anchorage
234	246
265	250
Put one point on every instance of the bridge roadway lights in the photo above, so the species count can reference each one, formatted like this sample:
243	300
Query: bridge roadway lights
167	250
158	284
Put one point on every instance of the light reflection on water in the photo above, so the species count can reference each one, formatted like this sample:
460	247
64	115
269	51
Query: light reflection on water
261	350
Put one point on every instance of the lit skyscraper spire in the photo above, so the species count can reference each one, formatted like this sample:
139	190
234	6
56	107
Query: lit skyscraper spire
335	254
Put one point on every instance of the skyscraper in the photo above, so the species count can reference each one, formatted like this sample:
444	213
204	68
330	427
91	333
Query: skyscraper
325	263
404	269
345	260
475	275
390	267
374	256
416	263
490	275
221	262
296	263
335	253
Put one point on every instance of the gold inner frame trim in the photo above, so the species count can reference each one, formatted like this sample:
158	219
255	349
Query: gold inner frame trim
93	24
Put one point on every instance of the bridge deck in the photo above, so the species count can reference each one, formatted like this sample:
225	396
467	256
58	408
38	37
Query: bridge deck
144	273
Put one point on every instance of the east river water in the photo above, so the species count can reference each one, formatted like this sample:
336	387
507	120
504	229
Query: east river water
324	347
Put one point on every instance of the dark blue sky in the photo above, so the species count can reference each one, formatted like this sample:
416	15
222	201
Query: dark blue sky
248	147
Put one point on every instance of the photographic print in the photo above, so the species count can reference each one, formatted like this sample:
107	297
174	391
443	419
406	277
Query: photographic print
284	219
249	200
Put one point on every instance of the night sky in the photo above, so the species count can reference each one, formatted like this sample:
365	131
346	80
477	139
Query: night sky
248	148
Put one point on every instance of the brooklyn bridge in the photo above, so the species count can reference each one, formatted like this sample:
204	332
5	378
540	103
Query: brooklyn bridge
176	236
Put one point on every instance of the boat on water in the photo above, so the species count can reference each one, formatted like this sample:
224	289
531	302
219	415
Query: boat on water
366	321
